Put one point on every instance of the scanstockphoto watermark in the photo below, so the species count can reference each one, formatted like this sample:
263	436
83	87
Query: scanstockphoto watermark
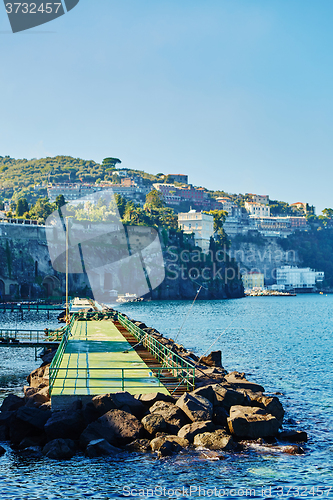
195	491
26	15
189	491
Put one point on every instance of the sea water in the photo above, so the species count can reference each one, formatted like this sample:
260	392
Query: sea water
283	343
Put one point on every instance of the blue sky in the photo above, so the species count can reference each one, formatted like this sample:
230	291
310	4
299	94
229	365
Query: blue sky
236	93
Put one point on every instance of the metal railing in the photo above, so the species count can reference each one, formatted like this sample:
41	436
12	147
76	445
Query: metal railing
171	362
120	379
178	366
10	336
56	362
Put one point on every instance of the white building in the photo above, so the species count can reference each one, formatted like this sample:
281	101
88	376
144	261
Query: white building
288	277
202	225
260	198
257	209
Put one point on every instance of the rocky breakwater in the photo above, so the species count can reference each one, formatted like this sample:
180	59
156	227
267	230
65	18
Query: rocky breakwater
226	413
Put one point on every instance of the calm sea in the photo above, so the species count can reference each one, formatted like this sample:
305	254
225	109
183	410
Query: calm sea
283	343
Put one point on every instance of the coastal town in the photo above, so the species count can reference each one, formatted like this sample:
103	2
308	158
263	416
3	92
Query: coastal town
205	218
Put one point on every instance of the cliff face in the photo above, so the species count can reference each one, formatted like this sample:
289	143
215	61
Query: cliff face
26	270
264	258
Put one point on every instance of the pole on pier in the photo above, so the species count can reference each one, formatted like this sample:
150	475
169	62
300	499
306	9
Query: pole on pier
66	318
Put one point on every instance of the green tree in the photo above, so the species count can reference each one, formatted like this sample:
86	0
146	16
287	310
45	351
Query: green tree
60	201
42	209
22	207
328	212
121	204
110	162
154	199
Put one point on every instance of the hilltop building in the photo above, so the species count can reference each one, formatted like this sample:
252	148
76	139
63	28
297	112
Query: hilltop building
202	225
257	209
259	198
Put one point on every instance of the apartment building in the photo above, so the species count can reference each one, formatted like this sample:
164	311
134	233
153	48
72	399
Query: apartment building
295	278
199	223
257	209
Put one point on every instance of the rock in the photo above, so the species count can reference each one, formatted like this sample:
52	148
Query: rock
139	445
100	447
213	359
37	396
293	436
2	451
4	433
11	403
151	398
220	416
238	381
65	425
103	403
206	392
6	417
30	452
32	442
273	406
174	417
153	422
136	407
190	430
90	413
227	397
293	450
38	376
217	440
33	416
180	443
59	448
116	426
197	408
252	423
29	391
120	400
95	430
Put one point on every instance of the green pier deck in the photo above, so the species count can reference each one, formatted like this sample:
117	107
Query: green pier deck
97	359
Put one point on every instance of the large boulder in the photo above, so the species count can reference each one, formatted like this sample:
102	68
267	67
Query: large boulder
118	427
12	403
220	416
252	423
227	397
121	401
59	448
238	381
213	359
151	398
293	436
271	405
27	422
179	442
36	396
189	431
141	445
174	417
65	425
38	376
99	447
197	408
217	440
33	416
153	422
206	392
